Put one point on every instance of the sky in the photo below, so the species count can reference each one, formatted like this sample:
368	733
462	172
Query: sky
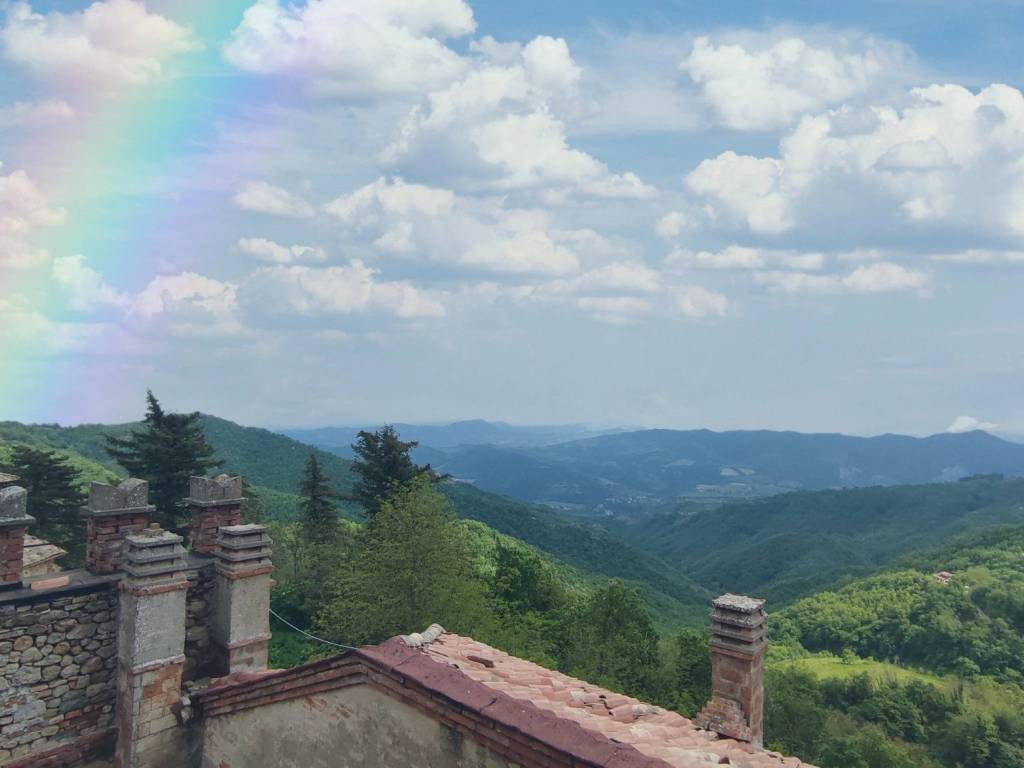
787	215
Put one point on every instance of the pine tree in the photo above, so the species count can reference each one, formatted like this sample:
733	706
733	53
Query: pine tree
318	510
170	448
384	465
54	495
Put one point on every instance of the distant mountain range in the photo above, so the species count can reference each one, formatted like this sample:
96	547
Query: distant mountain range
620	470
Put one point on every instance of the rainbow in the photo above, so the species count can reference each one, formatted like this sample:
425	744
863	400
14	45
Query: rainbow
128	156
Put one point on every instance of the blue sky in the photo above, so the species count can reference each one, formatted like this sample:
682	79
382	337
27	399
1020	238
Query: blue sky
733	215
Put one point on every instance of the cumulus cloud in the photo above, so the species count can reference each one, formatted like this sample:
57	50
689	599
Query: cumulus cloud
980	256
397	218
949	158
112	43
874	277
697	302
261	197
267	250
85	287
353	47
22	113
23	210
341	290
740	257
499	127
187	304
764	84
969	424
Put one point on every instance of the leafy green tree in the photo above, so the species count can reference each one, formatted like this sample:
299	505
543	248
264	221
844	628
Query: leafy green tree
383	464
692	667
318	512
410	568
170	448
54	495
611	641
794	715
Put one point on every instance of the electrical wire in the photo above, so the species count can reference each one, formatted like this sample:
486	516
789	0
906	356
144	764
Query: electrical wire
311	637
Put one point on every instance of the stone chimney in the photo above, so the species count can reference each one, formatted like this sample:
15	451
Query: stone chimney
13	521
241	598
736	708
112	513
151	646
214	503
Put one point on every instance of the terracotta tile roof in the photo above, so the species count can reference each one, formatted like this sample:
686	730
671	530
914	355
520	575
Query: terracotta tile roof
39	551
462	665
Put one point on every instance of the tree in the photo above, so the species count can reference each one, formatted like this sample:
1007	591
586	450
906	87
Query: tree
692	669
170	448
55	495
383	464
612	641
410	568
318	512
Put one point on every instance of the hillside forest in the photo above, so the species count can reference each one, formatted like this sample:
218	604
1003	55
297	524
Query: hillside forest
897	611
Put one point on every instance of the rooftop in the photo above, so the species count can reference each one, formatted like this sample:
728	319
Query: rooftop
39	551
549	710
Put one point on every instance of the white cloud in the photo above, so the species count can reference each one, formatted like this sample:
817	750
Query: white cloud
947	158
874	277
743	257
22	113
23	209
109	44
267	250
85	287
617	310
353	47
969	424
697	302
759	85
501	127
395	218
671	225
262	197
187	304
980	256
341	290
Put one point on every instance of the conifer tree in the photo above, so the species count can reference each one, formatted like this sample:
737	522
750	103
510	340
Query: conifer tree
383	464
170	448
54	494
319	513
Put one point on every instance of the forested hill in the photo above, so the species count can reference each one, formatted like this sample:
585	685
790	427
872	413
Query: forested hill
272	464
615	470
787	546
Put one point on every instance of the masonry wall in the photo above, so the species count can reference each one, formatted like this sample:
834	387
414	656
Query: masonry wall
353	727
58	658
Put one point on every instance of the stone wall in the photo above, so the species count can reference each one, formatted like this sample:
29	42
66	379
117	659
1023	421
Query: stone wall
58	658
199	655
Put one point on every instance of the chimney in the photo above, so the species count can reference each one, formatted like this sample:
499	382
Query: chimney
112	513
13	521
737	646
151	646
241	598
214	503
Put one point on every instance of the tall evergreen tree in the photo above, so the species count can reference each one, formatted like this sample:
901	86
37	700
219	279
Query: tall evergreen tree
170	448
318	510
54	495
383	464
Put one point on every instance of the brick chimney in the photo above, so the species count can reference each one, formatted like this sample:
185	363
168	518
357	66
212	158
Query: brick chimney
151	646
736	708
112	513
241	598
13	521
214	503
